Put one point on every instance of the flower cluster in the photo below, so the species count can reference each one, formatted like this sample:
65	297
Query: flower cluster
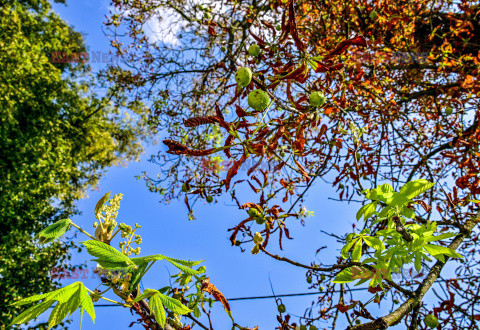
106	216
127	232
116	277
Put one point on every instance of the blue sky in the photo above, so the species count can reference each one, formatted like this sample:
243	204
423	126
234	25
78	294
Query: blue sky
166	230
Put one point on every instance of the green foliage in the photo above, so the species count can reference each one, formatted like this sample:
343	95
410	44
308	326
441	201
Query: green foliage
68	299
57	137
158	301
54	231
120	273
398	243
108	257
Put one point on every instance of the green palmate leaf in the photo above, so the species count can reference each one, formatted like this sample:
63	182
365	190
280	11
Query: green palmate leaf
105	252
398	200
414	188
417	243
437	250
374	242
59	312
122	265
408	212
137	275
145	260
387	211
187	263
73	303
62	295
157	307
371	194
418	261
68	300
86	302
357	250
347	248
345	276
185	269
31	299
32	313
54	231
157	257
101	202
174	305
147	293
385	191
439	237
366	211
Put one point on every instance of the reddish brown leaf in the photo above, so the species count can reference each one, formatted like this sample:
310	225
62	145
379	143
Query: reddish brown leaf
240	112
211	289
233	170
344	308
228	142
302	170
176	148
343	46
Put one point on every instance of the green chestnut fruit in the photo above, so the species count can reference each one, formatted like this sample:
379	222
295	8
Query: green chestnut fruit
317	99
254	50
357	321
243	77
258	99
209	199
321	289
260	220
252	212
185	187
281	308
309	279
431	321
448	111
373	15
223	49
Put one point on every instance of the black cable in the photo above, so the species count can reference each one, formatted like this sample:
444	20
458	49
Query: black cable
276	296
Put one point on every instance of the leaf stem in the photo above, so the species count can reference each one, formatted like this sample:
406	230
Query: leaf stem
81	230
107	299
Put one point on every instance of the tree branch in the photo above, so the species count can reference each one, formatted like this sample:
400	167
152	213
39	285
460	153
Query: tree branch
396	316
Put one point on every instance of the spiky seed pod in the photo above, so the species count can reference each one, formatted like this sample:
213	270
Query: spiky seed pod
258	99
317	99
252	212
243	77
431	321
254	50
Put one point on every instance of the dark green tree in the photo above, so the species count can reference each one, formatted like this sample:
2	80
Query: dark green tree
57	137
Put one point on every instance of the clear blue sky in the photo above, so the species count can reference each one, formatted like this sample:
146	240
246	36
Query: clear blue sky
166	230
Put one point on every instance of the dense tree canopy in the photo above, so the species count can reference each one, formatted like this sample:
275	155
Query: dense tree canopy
57	137
400	79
